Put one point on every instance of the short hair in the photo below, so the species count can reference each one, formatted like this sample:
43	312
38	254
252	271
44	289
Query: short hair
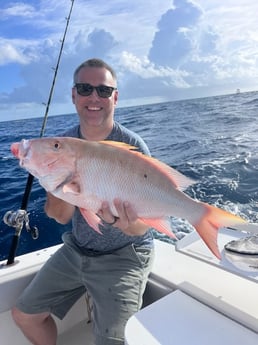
94	63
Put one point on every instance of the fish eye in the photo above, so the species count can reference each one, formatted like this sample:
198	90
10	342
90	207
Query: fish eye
57	145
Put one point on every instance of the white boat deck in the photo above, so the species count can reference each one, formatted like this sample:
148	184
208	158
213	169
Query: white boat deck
179	319
200	289
229	294
209	304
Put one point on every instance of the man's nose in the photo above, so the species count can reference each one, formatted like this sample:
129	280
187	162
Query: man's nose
94	94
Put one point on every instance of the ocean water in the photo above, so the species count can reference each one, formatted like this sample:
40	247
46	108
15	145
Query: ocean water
212	140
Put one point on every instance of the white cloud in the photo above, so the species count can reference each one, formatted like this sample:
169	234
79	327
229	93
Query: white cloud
17	51
9	53
17	9
166	50
147	70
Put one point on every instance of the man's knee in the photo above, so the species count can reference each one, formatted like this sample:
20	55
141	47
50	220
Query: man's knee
23	319
17	315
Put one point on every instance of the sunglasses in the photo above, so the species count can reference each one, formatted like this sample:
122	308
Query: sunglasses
103	91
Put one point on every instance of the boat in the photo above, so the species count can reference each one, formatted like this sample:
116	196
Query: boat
191	298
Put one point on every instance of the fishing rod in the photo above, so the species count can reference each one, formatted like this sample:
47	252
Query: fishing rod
18	218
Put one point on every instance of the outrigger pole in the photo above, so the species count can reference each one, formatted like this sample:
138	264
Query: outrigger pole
18	218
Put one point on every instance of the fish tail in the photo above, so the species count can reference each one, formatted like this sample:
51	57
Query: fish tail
209	224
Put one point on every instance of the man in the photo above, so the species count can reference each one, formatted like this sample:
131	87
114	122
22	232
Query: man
113	267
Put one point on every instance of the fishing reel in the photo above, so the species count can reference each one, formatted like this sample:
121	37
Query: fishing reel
17	219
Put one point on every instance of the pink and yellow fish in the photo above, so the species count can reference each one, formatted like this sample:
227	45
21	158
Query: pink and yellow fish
86	173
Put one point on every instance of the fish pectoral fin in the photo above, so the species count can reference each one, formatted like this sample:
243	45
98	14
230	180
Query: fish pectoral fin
92	219
72	187
160	224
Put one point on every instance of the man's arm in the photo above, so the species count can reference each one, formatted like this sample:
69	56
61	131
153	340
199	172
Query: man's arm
58	209
127	222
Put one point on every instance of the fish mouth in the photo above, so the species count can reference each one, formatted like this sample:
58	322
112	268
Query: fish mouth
21	151
15	149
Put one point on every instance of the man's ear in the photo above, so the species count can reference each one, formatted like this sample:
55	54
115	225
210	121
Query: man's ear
73	95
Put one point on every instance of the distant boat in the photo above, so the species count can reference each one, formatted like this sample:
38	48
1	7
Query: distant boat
237	90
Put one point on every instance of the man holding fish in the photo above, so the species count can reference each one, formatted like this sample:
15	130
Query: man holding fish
112	265
101	176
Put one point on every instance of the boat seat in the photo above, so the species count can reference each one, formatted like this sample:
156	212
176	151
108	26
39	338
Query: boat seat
178	318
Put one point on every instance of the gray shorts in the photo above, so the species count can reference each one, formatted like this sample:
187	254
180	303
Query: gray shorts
115	282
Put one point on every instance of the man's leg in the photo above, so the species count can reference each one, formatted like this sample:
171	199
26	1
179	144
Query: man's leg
40	329
116	283
54	290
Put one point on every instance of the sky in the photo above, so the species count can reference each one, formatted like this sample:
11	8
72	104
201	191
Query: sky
161	50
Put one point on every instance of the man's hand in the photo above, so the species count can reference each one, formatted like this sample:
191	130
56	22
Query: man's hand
127	219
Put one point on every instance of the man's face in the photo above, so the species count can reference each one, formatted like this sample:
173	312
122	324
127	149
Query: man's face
94	110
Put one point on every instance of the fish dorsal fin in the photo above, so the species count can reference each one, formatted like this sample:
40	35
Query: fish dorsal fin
179	180
118	144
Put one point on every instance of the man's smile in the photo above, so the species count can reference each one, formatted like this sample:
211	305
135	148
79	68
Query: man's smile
94	108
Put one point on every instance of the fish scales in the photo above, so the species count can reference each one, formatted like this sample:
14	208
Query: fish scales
125	176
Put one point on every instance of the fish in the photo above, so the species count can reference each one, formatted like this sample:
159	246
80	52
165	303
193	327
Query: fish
86	173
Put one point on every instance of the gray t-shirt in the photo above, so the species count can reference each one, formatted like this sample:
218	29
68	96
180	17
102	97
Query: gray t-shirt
112	238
